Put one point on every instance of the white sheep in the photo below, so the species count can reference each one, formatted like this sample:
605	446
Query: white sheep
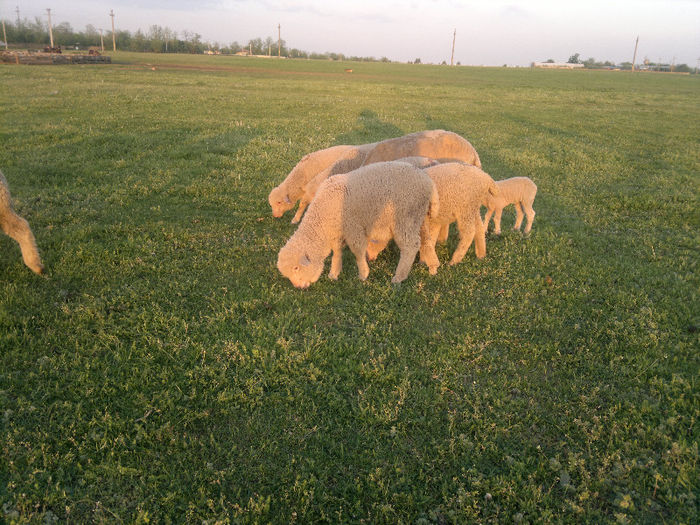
416	148
18	228
519	191
346	165
381	201
461	189
291	189
350	159
436	143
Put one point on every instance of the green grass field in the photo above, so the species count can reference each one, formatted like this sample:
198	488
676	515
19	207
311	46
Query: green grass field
165	371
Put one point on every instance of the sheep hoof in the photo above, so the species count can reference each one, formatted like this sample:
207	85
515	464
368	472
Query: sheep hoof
295	220
396	280
333	276
432	270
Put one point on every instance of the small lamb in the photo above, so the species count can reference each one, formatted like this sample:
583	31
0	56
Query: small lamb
519	191
461	189
18	228
291	189
382	201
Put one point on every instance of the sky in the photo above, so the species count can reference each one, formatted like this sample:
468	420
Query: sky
488	32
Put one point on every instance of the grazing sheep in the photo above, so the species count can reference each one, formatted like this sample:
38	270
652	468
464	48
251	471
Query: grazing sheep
434	144
462	189
17	228
382	201
416	148
519	191
349	160
290	190
346	165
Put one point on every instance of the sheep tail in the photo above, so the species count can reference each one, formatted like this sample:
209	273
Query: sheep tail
434	207
493	189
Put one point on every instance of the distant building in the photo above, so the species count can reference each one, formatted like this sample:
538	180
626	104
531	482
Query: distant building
557	65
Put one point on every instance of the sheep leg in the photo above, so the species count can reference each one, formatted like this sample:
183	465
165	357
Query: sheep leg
518	216
479	237
444	233
18	229
530	212
466	236
409	248
429	235
487	218
359	249
336	261
374	248
497	221
303	203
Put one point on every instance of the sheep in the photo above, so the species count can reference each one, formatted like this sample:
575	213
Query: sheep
434	144
461	189
416	148
290	190
519	191
18	228
350	159
381	201
346	165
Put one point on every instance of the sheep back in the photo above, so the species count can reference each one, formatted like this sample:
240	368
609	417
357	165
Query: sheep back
433	144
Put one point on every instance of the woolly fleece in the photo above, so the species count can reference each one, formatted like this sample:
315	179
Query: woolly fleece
433	144
18	228
382	201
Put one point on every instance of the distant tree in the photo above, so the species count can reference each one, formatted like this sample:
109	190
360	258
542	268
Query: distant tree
682	68
550	61
574	59
416	61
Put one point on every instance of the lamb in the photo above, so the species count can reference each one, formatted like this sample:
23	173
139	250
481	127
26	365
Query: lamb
434	144
290	190
18	228
461	189
382	201
519	191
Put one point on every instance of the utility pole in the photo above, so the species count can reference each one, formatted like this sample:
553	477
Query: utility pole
4	35
454	37
102	41
50	28
18	22
279	41
634	58
114	41
673	63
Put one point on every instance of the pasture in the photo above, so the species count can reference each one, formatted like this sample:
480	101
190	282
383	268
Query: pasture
165	371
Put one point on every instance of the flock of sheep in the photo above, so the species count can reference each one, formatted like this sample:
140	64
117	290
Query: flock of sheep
409	189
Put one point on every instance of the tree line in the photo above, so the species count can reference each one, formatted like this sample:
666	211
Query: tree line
156	39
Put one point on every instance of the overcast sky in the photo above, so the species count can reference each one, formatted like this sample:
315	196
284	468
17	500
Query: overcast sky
489	32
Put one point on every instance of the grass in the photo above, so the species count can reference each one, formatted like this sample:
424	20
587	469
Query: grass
164	371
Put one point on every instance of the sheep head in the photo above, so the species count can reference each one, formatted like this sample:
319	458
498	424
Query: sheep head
297	266
279	202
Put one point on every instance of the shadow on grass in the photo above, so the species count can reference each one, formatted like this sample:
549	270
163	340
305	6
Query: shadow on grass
370	128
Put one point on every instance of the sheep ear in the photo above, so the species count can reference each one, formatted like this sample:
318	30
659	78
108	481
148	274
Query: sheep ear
287	200
305	261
